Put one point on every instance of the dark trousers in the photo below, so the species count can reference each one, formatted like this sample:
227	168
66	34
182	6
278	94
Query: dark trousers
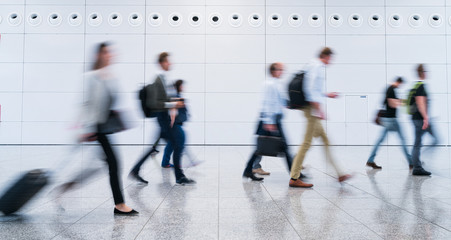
417	145
255	156
169	148
175	137
143	159
113	168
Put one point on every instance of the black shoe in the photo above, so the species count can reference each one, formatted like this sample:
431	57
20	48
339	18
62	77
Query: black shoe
185	181
410	166
420	172
131	213
252	176
154	152
373	165
136	177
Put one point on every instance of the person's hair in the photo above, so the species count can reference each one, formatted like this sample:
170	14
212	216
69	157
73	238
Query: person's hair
98	63
273	67
325	52
420	70
163	57
399	80
178	85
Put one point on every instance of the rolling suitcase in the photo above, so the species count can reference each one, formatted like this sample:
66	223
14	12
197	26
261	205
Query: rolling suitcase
23	190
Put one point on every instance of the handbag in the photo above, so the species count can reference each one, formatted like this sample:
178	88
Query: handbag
379	114
113	124
269	145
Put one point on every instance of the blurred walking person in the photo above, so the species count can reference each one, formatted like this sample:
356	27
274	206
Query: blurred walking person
390	123
315	77
271	118
419	108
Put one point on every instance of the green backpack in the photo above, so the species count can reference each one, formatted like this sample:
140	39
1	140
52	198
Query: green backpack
411	105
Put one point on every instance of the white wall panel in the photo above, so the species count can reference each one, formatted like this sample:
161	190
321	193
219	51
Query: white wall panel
192	75
417	49
241	25
440	3
174	2
232	107
230	133
54	48
195	105
293	116
235	77
184	23
183	48
353	3
10	133
295	2
151	131
336	132
346	23
8	2
293	48
133	135
355	78
194	133
437	104
12	19
235	2
356	108
235	48
57	77
47	133
50	107
422	25
11	110
116	2
114	19
130	76
357	49
11	48
294	133
57	2
11	75
44	22
336	109
286	25
125	48
356	133
129	104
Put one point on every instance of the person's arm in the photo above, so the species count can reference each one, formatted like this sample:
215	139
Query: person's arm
422	108
393	102
269	105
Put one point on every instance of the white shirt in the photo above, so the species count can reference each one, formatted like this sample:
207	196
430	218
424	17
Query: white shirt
169	88
273	102
315	80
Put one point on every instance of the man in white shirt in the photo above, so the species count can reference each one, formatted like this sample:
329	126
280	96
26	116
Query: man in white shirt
270	121
314	85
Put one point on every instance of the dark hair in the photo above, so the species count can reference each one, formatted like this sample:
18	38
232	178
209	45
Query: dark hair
399	80
163	57
98	63
325	52
177	85
420	70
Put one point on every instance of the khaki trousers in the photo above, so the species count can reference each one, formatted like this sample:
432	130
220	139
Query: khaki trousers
314	129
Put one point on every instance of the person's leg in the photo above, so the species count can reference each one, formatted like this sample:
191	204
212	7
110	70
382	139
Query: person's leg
376	146
296	166
167	155
417	145
397	128
320	131
178	141
248	170
113	168
288	158
257	164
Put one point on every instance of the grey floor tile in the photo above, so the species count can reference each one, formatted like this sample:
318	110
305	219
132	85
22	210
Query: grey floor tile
183	230
335	230
410	231
257	231
19	231
113	231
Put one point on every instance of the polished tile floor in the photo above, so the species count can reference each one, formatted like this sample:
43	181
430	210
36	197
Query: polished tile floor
386	204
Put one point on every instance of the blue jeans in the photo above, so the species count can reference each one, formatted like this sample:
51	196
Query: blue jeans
390	124
170	148
417	145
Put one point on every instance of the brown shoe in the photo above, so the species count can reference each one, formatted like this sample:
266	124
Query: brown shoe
299	183
260	171
373	165
344	177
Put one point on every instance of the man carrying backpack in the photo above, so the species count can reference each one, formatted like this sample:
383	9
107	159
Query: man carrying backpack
313	87
418	107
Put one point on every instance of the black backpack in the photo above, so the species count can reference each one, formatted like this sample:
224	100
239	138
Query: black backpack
143	96
296	92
